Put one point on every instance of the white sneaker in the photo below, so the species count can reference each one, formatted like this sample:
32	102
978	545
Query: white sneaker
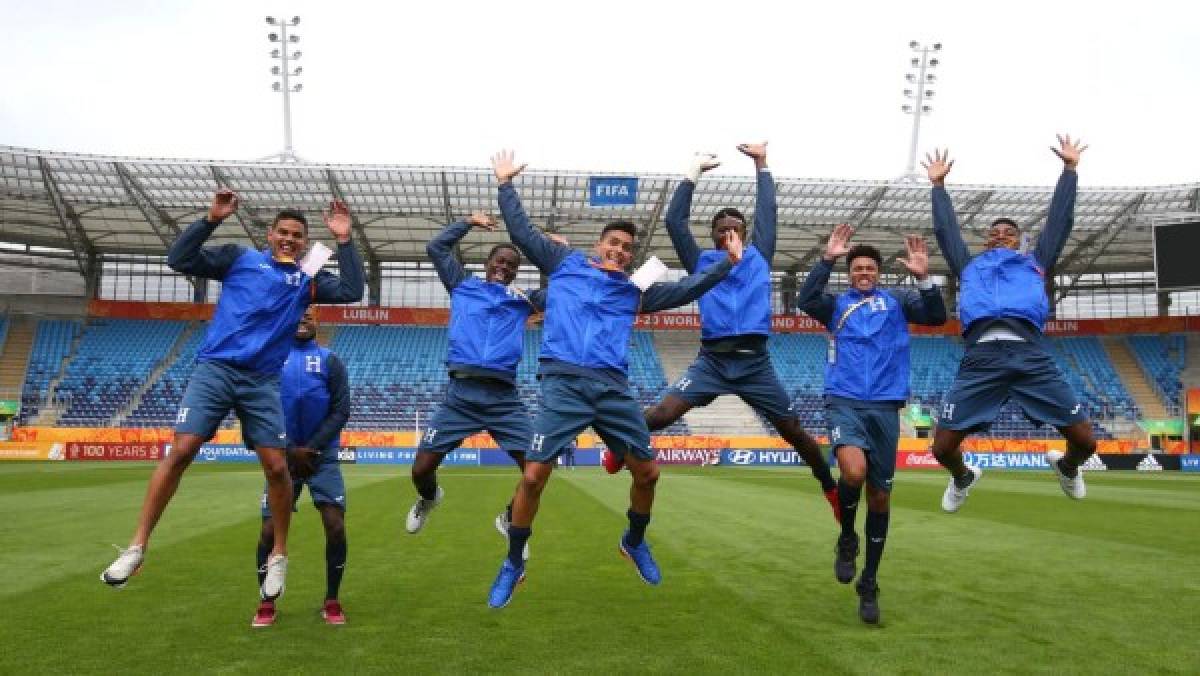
272	586
420	511
502	526
128	562
1074	488
954	497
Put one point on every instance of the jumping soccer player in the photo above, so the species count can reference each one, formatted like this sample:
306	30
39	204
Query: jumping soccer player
591	306
866	385
315	392
735	319
263	295
1003	307
487	337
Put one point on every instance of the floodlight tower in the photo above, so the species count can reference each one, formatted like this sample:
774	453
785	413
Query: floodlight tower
920	88
283	85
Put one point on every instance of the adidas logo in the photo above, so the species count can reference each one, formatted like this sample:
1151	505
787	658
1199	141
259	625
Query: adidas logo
1094	464
1149	464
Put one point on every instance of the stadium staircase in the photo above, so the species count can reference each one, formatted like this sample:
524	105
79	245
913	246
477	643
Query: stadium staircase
1134	379
123	413
15	346
56	366
1190	375
727	415
1162	358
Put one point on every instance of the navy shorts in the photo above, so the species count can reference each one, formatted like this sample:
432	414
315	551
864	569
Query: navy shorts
325	486
474	405
216	388
875	430
570	403
749	376
994	372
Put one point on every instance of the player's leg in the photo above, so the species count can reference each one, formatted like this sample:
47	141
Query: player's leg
1044	394
206	401
883	427
264	616
258	406
566	408
971	404
852	471
510	427
453	421
623	429
667	411
758	385
333	519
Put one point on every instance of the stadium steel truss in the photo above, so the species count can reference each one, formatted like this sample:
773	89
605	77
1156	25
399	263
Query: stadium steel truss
83	207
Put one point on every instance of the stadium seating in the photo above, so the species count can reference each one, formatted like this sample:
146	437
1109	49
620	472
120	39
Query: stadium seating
114	358
160	403
51	344
1162	358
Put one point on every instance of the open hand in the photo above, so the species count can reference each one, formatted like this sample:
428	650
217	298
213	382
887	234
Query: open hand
224	203
505	167
917	258
1069	151
337	219
733	246
839	242
483	220
938	166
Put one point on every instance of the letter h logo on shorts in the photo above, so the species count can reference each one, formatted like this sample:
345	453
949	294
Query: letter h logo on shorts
312	364
182	416
538	440
947	411
683	384
430	435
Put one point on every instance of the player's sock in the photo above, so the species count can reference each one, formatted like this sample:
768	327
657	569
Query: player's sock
848	497
264	550
876	531
335	565
427	486
821	473
508	512
965	480
517	537
637	528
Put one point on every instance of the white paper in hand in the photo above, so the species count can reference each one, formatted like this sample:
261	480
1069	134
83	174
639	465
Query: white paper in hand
315	258
650	272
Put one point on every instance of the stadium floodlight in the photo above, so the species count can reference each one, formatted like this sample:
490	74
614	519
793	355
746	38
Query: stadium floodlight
284	72
922	63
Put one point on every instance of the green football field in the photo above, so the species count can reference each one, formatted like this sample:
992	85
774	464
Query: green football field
1021	580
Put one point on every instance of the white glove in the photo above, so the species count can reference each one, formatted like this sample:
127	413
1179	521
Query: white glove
701	162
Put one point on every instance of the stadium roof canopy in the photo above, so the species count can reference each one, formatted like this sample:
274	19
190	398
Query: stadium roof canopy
89	206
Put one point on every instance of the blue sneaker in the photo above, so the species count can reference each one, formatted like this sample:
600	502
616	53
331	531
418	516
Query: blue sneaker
642	559
506	583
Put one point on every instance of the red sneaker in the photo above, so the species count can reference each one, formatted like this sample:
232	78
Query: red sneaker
332	612
612	464
265	615
832	496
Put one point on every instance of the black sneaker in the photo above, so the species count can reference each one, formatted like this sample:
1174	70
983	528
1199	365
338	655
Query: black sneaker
847	552
868	601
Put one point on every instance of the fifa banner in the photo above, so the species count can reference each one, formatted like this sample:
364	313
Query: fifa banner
1189	463
105	451
31	450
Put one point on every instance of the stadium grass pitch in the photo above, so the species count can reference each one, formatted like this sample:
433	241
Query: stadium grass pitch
1021	580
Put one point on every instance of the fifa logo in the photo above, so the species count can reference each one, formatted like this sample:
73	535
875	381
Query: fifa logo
312	364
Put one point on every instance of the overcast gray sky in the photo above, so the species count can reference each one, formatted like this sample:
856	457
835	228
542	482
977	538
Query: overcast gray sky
616	85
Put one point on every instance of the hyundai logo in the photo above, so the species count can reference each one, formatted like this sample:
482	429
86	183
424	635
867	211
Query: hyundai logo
741	457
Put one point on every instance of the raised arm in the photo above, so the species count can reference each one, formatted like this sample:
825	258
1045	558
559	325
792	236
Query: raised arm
924	306
339	405
1061	215
543	252
945	223
537	299
441	248
765	205
346	286
812	299
189	256
679	211
667	295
